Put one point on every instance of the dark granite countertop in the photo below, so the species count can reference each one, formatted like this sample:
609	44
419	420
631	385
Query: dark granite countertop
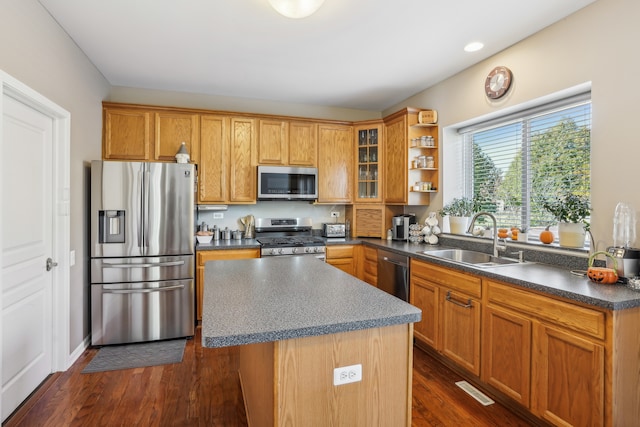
539	276
278	298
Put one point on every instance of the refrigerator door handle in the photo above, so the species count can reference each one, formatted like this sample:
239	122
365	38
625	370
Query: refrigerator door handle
146	265
145	205
142	291
141	211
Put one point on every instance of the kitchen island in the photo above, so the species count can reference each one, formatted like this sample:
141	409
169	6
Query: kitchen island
296	320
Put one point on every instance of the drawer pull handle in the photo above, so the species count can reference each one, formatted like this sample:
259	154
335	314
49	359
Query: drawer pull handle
451	300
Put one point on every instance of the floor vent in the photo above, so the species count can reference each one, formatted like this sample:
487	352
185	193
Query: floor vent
475	393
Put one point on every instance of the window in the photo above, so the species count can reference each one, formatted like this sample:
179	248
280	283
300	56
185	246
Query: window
513	163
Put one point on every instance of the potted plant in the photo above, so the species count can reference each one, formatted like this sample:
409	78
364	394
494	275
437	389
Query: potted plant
572	213
459	210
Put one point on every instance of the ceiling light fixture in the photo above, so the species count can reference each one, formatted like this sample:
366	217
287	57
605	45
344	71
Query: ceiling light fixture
473	47
296	8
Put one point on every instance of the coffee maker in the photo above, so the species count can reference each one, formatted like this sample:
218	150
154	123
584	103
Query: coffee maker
400	226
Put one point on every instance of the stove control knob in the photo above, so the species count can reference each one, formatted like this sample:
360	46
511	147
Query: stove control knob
306	250
315	250
294	250
279	250
273	251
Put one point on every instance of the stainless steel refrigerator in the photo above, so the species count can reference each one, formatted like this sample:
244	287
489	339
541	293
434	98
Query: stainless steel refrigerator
142	251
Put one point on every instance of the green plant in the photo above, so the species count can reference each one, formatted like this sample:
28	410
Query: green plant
569	208
463	206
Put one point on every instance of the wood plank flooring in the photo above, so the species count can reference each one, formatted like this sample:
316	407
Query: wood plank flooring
204	390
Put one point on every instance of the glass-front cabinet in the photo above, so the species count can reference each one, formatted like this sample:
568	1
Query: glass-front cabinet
369	164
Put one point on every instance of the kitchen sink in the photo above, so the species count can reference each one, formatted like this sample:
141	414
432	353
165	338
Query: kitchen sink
477	259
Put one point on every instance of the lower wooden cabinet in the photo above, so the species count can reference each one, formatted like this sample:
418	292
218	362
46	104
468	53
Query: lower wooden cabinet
223	254
451	307
506	355
568	378
548	355
370	265
343	257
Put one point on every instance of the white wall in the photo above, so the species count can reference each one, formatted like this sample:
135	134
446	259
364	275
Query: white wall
597	44
36	51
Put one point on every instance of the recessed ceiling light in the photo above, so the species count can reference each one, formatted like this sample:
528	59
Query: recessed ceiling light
473	46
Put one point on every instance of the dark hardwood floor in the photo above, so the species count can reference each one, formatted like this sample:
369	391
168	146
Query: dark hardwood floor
204	390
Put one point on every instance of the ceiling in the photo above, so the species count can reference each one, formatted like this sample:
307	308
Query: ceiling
359	54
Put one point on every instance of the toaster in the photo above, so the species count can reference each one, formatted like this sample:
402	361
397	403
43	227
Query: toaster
333	229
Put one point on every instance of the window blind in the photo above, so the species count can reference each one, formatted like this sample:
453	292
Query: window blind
514	163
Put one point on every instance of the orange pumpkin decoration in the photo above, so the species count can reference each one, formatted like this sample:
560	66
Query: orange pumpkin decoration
546	236
602	274
503	233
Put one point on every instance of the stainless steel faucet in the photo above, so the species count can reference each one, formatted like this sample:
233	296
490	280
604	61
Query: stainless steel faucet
496	247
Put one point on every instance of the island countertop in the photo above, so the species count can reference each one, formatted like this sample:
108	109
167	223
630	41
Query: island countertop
278	298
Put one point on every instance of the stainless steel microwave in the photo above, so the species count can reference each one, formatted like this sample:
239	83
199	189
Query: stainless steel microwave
287	183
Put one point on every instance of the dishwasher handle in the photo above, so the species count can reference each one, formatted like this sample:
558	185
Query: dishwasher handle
401	264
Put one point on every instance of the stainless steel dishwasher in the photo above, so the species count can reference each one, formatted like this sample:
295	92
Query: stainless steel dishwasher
393	274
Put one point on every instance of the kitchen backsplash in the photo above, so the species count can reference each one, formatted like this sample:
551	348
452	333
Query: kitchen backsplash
280	209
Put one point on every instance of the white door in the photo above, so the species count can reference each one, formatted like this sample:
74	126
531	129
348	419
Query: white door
27	223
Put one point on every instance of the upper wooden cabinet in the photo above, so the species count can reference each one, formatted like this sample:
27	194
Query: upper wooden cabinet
303	144
242	166
402	131
273	142
127	134
171	130
335	163
227	169
282	142
213	169
369	158
143	133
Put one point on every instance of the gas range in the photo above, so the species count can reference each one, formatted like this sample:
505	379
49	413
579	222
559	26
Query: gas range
288	236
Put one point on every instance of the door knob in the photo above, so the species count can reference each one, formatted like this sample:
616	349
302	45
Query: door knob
50	264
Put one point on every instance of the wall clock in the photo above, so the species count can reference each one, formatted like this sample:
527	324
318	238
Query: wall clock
498	82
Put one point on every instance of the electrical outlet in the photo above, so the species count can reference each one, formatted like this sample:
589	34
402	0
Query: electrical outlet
347	374
335	214
218	215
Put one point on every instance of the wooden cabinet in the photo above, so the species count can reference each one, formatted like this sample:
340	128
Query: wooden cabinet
335	163
371	220
451	301
370	265
396	159
568	377
144	133
303	144
213	170
222	254
565	357
171	130
282	142
127	133
227	172
273	142
506	354
242	164
343	257
369	158
425	295
403	144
